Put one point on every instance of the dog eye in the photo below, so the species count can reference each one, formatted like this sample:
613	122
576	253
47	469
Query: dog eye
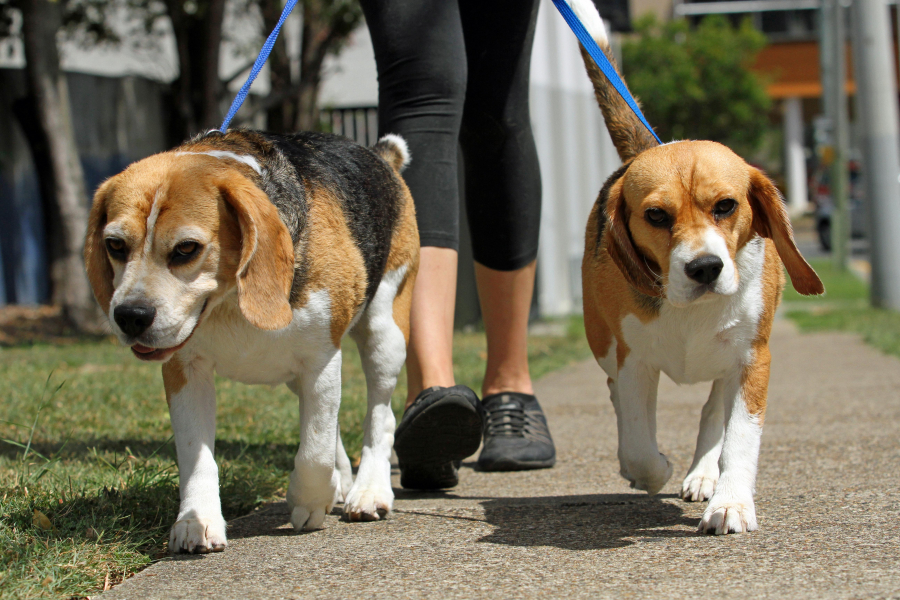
658	217
724	208
116	248
184	252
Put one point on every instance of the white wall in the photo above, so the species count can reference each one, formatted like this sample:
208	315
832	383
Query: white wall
576	154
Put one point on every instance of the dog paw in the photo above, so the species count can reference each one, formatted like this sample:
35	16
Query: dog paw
731	517
310	503
198	535
649	475
697	488
368	503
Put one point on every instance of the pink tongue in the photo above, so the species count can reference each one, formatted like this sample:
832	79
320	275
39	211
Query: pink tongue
142	349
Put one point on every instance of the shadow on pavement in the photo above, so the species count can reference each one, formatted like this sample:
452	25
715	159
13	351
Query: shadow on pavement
594	522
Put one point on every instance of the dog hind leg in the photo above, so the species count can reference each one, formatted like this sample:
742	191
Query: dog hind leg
343	466
382	347
701	478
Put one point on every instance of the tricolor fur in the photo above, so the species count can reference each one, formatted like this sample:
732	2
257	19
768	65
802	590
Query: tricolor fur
251	255
682	274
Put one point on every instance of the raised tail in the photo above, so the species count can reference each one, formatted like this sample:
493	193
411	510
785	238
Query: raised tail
393	149
627	131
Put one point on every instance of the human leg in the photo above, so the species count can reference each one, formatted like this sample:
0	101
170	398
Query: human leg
503	196
420	55
505	306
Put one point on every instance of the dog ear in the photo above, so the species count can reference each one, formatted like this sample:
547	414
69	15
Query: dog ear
96	261
266	268
620	246
770	219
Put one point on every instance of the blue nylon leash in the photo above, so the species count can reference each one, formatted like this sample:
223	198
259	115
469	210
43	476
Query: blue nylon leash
258	65
603	63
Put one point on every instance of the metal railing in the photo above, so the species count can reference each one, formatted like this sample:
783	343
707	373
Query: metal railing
360	124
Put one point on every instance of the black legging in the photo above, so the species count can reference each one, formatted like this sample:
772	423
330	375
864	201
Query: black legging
456	72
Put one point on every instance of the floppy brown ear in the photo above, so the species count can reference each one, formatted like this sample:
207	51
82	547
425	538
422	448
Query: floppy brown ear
266	268
621	248
96	261
770	219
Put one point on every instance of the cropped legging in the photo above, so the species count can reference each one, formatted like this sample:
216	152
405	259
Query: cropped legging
455	73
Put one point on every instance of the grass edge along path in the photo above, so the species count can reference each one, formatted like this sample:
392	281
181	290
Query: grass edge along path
844	307
88	480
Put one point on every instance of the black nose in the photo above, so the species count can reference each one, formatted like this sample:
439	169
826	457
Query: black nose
134	319
705	269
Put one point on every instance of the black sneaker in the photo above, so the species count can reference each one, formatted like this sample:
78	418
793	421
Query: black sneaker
516	436
439	429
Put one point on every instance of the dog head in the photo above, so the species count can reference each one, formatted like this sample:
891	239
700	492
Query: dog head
170	237
679	213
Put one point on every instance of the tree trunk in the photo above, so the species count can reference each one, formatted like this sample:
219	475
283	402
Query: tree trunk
196	92
326	25
56	157
279	117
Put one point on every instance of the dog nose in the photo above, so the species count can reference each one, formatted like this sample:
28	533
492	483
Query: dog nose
705	269
134	319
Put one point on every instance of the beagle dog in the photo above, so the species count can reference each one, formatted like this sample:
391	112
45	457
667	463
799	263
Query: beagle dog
682	273
251	255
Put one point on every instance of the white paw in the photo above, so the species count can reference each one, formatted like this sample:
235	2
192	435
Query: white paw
310	503
729	517
368	503
698	487
647	474
198	535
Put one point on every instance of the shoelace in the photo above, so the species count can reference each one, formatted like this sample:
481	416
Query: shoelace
508	419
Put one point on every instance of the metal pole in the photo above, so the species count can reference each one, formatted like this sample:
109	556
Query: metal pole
834	98
794	157
877	105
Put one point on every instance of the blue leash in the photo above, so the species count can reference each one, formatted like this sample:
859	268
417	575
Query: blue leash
258	65
599	57
574	23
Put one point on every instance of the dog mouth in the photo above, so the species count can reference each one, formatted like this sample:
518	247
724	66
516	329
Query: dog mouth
154	354
150	354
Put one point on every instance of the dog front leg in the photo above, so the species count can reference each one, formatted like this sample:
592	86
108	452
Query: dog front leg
731	508
701	479
315	484
633	394
191	394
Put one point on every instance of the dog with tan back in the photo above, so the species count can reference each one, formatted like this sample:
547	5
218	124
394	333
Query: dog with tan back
682	274
251	255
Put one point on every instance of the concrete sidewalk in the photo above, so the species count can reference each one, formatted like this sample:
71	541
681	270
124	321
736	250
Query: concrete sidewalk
828	502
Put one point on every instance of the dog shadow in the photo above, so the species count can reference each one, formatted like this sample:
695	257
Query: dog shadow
592	522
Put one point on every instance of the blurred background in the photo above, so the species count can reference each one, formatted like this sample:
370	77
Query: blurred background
89	86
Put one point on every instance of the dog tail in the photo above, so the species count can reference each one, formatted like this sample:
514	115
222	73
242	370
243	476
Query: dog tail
627	131
394	150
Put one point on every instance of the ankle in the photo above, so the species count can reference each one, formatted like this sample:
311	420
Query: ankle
522	386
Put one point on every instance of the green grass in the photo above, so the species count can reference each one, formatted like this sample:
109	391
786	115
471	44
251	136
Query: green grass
86	441
844	307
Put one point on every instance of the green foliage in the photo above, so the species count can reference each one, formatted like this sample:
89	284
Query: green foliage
90	448
697	83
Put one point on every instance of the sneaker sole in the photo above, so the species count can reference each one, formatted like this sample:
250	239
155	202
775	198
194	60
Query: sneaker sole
448	430
510	464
